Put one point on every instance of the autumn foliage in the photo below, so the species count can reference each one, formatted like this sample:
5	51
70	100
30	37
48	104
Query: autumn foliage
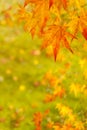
36	93
57	22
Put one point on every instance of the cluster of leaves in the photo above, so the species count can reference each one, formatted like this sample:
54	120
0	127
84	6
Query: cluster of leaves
69	119
54	84
57	22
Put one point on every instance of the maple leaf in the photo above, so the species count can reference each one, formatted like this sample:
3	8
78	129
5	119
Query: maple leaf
78	23
36	23
84	32
54	36
65	4
49	98
66	43
59	92
51	2
75	88
37	119
23	15
64	110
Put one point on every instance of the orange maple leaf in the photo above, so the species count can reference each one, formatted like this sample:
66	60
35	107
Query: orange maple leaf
65	4
55	35
51	2
84	32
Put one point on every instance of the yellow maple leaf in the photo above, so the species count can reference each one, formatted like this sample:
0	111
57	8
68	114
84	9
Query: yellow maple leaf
75	88
63	110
